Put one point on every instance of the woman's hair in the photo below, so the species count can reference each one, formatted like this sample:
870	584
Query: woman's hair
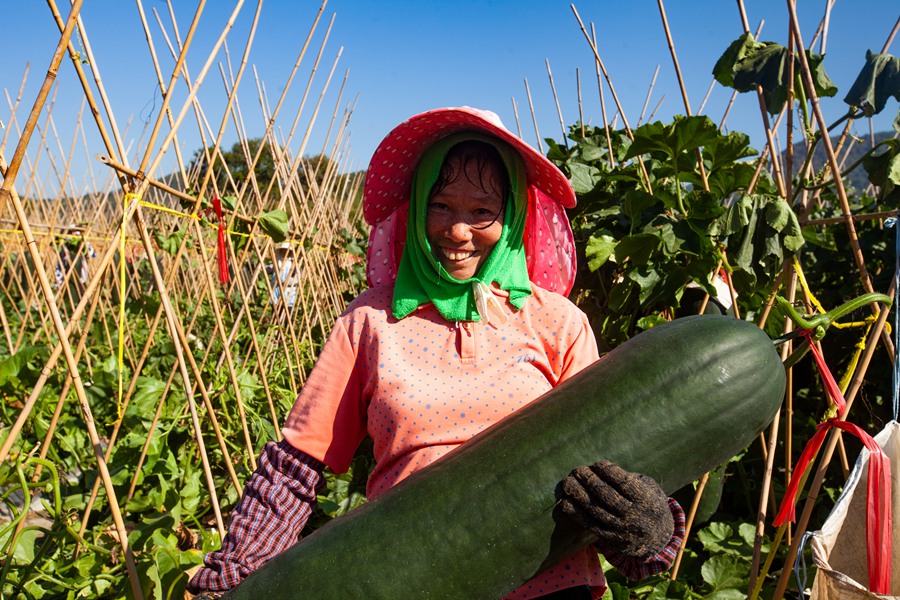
483	155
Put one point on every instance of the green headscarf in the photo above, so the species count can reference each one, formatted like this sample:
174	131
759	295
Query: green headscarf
422	279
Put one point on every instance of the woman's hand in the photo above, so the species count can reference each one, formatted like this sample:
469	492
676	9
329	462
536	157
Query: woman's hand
628	512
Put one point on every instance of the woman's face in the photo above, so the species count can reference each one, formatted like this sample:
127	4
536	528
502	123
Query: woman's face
464	219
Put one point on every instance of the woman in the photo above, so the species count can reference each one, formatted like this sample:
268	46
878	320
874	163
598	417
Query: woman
464	323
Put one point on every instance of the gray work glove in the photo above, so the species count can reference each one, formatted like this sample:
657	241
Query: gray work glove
628	512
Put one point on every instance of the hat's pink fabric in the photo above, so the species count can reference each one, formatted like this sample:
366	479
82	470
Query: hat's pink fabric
549	244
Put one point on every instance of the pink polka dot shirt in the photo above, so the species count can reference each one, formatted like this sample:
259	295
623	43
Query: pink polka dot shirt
421	386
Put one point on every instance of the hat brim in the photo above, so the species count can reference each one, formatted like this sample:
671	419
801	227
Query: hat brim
390	172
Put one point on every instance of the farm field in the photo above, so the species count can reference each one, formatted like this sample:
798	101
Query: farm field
161	308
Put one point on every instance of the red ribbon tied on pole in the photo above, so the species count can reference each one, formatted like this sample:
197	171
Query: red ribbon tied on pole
222	252
878	490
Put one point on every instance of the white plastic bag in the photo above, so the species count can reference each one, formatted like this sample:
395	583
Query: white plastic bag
839	548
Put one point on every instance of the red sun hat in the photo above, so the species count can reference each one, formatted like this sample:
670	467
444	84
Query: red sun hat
549	244
389	176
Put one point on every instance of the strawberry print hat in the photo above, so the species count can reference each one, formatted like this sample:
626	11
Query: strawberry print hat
549	244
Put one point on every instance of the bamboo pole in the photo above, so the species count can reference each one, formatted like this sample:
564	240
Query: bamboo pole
14	106
85	86
562	124
766	488
580	105
776	168
516	117
210	286
615	96
287	143
7	195
609	149
537	133
684	96
649	89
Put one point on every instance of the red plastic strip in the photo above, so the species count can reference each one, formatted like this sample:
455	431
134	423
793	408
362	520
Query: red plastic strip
830	384
222	252
879	522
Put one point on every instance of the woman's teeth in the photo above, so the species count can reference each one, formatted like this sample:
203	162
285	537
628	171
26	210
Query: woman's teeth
456	255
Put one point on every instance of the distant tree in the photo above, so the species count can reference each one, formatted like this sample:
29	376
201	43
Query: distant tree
237	163
315	166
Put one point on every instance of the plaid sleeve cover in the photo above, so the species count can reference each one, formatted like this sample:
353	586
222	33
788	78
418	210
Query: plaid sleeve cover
277	501
640	567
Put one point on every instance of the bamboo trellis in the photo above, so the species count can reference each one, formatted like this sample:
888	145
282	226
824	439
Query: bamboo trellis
71	255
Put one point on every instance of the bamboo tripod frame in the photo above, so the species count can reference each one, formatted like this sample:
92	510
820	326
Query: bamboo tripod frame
79	238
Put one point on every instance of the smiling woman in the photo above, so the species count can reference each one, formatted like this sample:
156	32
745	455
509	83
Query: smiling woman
465	323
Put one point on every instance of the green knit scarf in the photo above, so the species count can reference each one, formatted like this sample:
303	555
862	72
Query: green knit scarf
422	279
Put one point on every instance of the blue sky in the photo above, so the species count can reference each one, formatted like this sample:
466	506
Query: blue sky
401	57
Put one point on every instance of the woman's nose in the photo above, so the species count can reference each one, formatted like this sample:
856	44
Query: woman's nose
459	229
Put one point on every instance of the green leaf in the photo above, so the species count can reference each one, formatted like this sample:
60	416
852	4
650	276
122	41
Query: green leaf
189	493
883	168
229	202
147	394
823	84
649	321
584	177
726	575
878	80
703	206
238	234
727	149
638	248
89	564
762	232
671	241
26	545
617	591
714	535
725	181
736	217
747	64
169	243
647	280
822	237
670	590
683	134
747	531
723	71
636	201
11	368
622	297
275	224
141	539
600	248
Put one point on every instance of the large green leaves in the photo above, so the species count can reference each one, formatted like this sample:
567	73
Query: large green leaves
760	231
883	169
878	80
644	244
672	139
747	64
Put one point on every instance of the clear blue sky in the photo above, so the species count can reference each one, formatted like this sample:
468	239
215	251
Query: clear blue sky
406	56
